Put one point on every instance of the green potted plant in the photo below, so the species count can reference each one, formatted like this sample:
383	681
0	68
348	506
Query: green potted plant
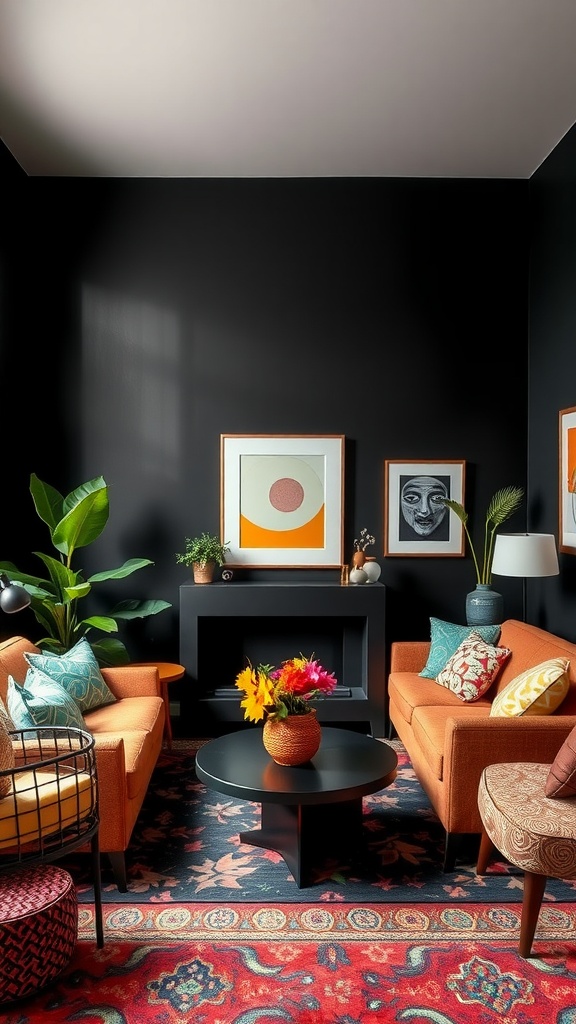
203	553
481	608
75	521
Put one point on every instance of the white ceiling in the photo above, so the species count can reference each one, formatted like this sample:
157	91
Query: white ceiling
282	88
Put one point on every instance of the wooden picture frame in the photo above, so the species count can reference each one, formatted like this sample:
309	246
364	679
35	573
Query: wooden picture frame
567	481
282	500
416	524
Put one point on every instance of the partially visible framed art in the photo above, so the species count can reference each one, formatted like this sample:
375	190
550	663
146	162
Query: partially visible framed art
282	500
567	481
416	521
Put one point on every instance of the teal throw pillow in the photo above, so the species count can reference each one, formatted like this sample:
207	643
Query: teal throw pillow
41	701
78	672
445	639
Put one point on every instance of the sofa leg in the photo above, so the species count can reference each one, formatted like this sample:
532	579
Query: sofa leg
118	862
451	847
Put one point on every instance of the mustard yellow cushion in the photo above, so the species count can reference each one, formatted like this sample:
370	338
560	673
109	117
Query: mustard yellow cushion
42	803
537	691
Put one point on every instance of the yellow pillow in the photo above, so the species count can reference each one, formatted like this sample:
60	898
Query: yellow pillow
537	691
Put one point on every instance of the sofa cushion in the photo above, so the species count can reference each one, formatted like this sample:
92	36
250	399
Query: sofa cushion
537	691
42	701
561	780
446	637
78	672
473	667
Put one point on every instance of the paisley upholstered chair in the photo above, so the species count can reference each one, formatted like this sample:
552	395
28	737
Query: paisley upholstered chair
533	830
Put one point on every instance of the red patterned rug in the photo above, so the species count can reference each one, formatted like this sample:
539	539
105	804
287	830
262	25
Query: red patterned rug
312	982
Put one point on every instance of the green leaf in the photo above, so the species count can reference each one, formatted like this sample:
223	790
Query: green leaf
110	652
103	622
138	609
125	570
84	522
48	502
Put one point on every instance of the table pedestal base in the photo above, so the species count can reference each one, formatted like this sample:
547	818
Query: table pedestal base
306	834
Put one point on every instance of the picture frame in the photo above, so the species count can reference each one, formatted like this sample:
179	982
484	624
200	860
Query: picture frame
416	523
567	481
282	500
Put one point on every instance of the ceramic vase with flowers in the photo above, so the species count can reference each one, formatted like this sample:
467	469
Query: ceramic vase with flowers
280	698
365	568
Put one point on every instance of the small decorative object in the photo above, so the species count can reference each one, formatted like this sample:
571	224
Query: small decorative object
280	698
203	553
372	569
344	575
359	573
227	575
484	605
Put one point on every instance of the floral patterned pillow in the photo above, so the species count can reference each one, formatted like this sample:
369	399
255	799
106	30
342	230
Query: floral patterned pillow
473	667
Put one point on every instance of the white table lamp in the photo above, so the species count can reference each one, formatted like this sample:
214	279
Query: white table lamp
525	555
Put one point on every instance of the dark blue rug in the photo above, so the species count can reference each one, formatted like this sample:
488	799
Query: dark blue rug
185	848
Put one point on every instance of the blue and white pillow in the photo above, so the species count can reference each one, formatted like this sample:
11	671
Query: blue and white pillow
41	702
445	639
78	672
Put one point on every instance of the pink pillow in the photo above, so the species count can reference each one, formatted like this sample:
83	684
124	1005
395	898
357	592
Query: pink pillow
473	667
561	779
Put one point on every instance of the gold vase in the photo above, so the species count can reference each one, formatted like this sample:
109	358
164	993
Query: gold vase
292	740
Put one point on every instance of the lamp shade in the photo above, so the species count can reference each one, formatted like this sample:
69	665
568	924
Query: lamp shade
12	597
525	554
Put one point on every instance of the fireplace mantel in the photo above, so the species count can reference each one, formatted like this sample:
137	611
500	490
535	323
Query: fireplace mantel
225	625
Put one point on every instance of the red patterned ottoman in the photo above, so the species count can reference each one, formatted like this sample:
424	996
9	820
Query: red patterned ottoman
38	928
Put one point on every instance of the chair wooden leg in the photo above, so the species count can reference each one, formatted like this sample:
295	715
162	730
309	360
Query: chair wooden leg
534	886
484	853
95	850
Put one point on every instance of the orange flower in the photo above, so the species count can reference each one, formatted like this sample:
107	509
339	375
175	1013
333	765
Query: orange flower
285	690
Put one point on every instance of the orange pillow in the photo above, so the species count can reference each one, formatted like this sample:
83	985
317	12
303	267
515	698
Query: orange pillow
561	779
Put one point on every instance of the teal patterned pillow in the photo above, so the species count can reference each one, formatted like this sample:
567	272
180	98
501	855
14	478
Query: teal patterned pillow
41	701
78	672
445	639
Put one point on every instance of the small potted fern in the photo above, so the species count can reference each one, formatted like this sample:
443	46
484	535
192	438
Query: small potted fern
203	553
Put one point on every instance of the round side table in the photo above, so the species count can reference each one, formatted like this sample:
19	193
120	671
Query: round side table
169	672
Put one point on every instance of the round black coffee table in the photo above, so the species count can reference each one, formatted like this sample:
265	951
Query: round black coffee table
308	812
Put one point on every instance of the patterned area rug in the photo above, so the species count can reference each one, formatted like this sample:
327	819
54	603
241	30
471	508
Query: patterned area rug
316	982
190	879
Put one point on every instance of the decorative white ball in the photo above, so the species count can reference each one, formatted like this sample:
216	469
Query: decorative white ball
357	576
372	570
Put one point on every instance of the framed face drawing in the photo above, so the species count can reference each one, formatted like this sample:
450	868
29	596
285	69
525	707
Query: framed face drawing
416	522
282	500
567	481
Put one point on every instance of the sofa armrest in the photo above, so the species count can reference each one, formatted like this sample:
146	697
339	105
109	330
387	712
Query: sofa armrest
472	743
409	655
133	680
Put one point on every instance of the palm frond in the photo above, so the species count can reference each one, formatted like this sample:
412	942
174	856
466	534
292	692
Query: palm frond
504	503
457	508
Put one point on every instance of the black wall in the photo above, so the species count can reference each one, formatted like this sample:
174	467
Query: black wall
552	362
141	318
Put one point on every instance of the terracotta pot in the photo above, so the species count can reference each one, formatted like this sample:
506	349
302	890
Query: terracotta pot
293	740
358	559
203	573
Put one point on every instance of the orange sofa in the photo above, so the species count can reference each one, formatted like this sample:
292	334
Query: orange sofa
128	735
450	742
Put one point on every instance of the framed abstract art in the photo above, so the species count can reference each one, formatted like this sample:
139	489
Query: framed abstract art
416	521
567	481
282	499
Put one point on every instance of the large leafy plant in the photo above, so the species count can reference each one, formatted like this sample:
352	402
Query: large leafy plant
75	521
503	504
